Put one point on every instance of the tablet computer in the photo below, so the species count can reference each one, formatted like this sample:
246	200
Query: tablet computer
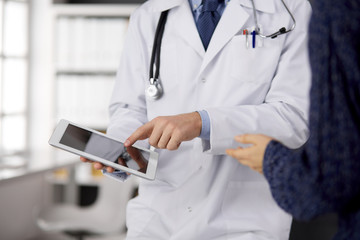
102	148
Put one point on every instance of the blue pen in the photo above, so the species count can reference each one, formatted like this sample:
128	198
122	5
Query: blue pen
253	33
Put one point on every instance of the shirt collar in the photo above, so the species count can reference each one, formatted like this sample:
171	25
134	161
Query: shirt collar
195	4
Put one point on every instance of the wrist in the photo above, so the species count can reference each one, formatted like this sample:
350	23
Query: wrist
197	122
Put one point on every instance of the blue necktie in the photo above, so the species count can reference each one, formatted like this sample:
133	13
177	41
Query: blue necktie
207	21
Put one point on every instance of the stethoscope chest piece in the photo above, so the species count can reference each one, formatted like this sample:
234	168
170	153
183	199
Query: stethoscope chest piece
154	91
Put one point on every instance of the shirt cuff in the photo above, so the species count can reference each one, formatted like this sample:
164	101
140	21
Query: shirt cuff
117	175
205	127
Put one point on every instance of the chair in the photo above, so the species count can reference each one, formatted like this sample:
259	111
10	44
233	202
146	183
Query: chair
105	217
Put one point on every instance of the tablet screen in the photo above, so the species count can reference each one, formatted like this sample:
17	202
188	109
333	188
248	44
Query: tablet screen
105	148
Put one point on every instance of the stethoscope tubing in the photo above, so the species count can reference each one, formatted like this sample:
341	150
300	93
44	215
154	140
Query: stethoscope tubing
156	50
281	31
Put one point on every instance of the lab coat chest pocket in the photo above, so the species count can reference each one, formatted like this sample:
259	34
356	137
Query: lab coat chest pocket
254	64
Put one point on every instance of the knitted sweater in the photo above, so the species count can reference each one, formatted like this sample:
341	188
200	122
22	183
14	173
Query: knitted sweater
324	175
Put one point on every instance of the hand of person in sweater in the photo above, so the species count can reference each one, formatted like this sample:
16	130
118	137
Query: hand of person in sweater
252	156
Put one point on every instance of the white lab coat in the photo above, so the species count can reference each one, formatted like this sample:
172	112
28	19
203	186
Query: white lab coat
199	192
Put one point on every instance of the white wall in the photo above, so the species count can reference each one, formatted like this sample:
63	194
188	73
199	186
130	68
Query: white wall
41	105
21	197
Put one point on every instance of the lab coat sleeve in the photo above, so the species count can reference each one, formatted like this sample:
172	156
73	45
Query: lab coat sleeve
128	106
284	112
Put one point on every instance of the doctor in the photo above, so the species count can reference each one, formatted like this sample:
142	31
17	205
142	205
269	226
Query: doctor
210	93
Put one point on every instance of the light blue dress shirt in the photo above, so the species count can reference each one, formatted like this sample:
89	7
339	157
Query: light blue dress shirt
196	8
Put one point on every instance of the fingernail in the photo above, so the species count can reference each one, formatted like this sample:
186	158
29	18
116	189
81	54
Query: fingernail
127	143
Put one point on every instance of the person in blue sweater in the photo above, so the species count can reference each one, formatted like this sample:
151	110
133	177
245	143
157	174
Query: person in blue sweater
323	176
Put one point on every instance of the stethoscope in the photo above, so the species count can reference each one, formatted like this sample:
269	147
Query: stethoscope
281	31
155	90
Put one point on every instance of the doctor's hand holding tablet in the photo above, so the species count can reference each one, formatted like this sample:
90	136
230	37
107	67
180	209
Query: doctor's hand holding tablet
131	153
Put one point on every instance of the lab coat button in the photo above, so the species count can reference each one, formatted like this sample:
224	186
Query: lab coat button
189	209
203	80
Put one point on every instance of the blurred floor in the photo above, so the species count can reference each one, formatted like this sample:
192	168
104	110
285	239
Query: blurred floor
60	236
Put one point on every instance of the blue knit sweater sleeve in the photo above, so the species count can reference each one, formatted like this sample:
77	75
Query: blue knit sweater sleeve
324	175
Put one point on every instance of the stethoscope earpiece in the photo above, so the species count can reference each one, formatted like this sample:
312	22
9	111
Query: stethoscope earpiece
281	31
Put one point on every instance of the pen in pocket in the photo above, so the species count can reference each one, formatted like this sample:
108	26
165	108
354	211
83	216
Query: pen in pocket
246	33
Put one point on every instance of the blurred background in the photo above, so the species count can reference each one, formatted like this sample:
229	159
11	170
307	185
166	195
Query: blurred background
58	59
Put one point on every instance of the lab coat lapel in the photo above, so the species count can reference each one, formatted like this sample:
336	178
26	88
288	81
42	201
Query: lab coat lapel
267	6
231	22
186	27
182	21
